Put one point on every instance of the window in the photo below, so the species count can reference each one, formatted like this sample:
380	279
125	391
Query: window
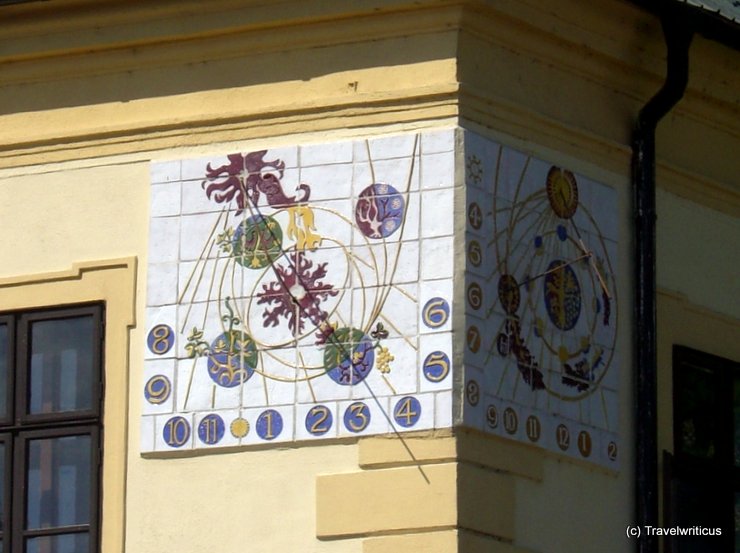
703	474
50	425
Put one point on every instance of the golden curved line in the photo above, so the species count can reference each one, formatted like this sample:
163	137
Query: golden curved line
220	295
395	328
517	212
496	178
244	307
307	380
514	201
607	361
200	257
611	349
190	383
399	241
296	338
210	244
388	383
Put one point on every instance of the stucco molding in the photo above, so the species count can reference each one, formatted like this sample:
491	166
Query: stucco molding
70	138
520	122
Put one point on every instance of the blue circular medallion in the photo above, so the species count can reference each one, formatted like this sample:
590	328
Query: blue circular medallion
257	242
157	389
160	340
232	358
357	417
436	312
269	424
319	420
407	411
211	429
349	356
562	295
379	211
436	366
176	432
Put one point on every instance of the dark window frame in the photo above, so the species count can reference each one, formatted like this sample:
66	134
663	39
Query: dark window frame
20	427
718	471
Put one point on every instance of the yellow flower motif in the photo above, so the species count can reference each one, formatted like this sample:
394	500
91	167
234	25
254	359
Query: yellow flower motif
224	240
384	360
220	346
326	326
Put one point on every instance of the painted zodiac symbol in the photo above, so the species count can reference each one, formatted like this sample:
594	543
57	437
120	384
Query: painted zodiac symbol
250	175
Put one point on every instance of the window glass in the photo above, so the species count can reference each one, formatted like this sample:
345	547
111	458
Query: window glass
62	543
695	406
3	370
736	417
2	488
737	521
58	486
61	376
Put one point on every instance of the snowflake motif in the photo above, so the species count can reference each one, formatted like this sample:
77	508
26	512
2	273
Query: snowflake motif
296	294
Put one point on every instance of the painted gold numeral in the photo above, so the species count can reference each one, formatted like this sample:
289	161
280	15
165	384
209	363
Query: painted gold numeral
534	428
611	451
322	422
475	256
562	436
472	392
492	416
436	312
160	339
210	431
176	432
475	215
406	413
584	443
475	295
473	338
268	425
360	417
436	366
511	421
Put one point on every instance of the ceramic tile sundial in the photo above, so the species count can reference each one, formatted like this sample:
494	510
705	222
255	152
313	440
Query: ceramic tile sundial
306	292
287	300
541	303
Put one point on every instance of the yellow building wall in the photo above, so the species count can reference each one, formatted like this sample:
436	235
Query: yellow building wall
90	98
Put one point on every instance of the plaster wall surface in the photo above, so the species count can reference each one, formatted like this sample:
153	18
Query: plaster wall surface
98	213
569	489
698	250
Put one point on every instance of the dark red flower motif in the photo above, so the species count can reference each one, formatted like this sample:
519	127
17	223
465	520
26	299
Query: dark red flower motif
245	177
297	294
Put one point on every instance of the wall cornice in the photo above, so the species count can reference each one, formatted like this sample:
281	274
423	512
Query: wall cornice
136	76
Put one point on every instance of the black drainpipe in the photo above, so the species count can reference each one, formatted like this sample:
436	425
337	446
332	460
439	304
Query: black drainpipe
678	33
